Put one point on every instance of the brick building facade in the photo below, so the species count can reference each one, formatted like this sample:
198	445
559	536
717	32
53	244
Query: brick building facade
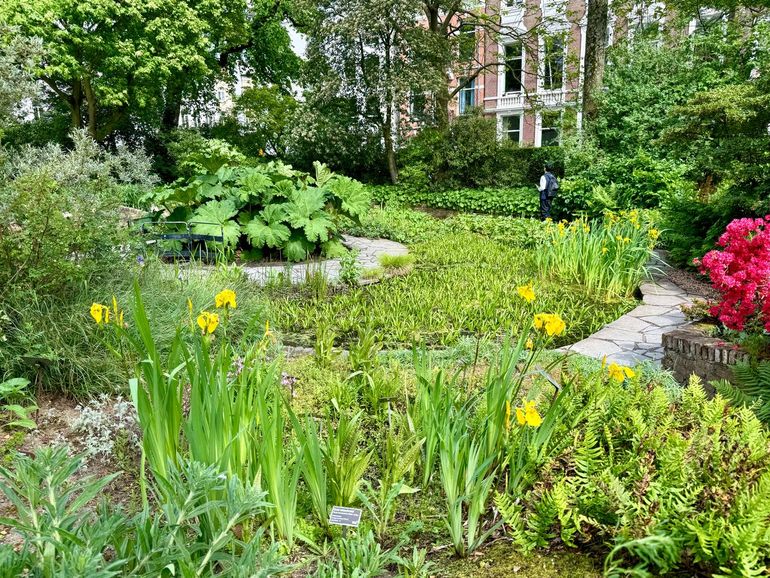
537	90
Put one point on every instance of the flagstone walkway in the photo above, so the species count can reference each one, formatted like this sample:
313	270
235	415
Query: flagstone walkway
369	252
636	336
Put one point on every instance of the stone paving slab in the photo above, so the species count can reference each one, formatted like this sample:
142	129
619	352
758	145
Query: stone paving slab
369	252
669	300
636	336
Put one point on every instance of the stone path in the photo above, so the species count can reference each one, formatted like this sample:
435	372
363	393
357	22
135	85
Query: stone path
636	336
368	257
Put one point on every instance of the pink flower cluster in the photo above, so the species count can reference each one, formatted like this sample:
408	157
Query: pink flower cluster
740	272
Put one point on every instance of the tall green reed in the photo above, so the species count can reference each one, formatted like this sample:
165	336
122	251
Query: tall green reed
607	258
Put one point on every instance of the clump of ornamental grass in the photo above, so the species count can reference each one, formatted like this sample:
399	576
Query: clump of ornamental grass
607	259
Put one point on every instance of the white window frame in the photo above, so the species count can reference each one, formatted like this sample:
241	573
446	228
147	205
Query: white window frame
460	102
539	125
501	77
541	61
503	134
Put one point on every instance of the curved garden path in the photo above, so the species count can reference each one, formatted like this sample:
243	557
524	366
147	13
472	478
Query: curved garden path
636	336
369	252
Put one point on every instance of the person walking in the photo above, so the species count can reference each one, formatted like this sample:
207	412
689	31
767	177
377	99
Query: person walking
547	187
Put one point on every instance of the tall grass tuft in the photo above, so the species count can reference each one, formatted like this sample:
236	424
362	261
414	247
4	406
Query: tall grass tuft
607	258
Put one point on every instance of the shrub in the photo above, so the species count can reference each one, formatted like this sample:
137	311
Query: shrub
268	207
469	154
193	154
520	202
59	220
740	272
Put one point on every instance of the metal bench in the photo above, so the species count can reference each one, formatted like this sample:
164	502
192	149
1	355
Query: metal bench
193	245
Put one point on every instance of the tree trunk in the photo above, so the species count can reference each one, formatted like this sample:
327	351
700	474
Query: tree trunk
390	151
91	99
596	50
76	119
441	114
172	109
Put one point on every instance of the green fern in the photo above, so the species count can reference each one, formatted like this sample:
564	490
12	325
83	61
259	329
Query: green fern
655	552
751	388
511	513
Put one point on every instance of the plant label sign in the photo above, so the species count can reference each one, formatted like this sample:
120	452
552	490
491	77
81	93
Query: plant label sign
345	516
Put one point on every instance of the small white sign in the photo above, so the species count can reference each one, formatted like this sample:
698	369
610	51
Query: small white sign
342	516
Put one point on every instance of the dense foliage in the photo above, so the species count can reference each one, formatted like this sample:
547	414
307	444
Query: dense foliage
592	456
128	67
667	484
518	202
267	207
59	218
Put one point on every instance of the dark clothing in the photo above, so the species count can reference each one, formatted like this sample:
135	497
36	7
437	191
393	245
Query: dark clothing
545	206
547	187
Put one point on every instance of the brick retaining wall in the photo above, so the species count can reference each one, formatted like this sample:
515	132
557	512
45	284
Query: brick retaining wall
688	350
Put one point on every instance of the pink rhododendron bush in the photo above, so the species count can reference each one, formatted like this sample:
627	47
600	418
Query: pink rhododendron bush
740	272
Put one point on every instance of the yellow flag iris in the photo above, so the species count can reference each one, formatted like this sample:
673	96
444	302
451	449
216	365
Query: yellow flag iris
551	323
526	292
528	415
208	322
100	313
226	299
619	372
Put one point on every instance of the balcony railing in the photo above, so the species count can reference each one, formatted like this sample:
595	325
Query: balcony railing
519	100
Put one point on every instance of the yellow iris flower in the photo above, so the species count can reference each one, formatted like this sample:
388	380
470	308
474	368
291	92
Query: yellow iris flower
529	344
100	313
528	415
551	323
619	372
225	298
208	322
526	292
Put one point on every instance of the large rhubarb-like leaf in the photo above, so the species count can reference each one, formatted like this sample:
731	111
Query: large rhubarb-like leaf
272	234
215	214
322	174
254	185
303	206
297	248
355	199
318	227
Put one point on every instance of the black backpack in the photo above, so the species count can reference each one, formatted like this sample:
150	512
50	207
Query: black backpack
551	185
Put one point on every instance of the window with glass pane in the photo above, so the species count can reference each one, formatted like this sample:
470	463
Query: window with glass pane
467	43
553	59
467	96
418	104
550	129
514	61
512	128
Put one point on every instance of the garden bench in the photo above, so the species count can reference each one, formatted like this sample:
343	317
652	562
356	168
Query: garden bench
193	245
